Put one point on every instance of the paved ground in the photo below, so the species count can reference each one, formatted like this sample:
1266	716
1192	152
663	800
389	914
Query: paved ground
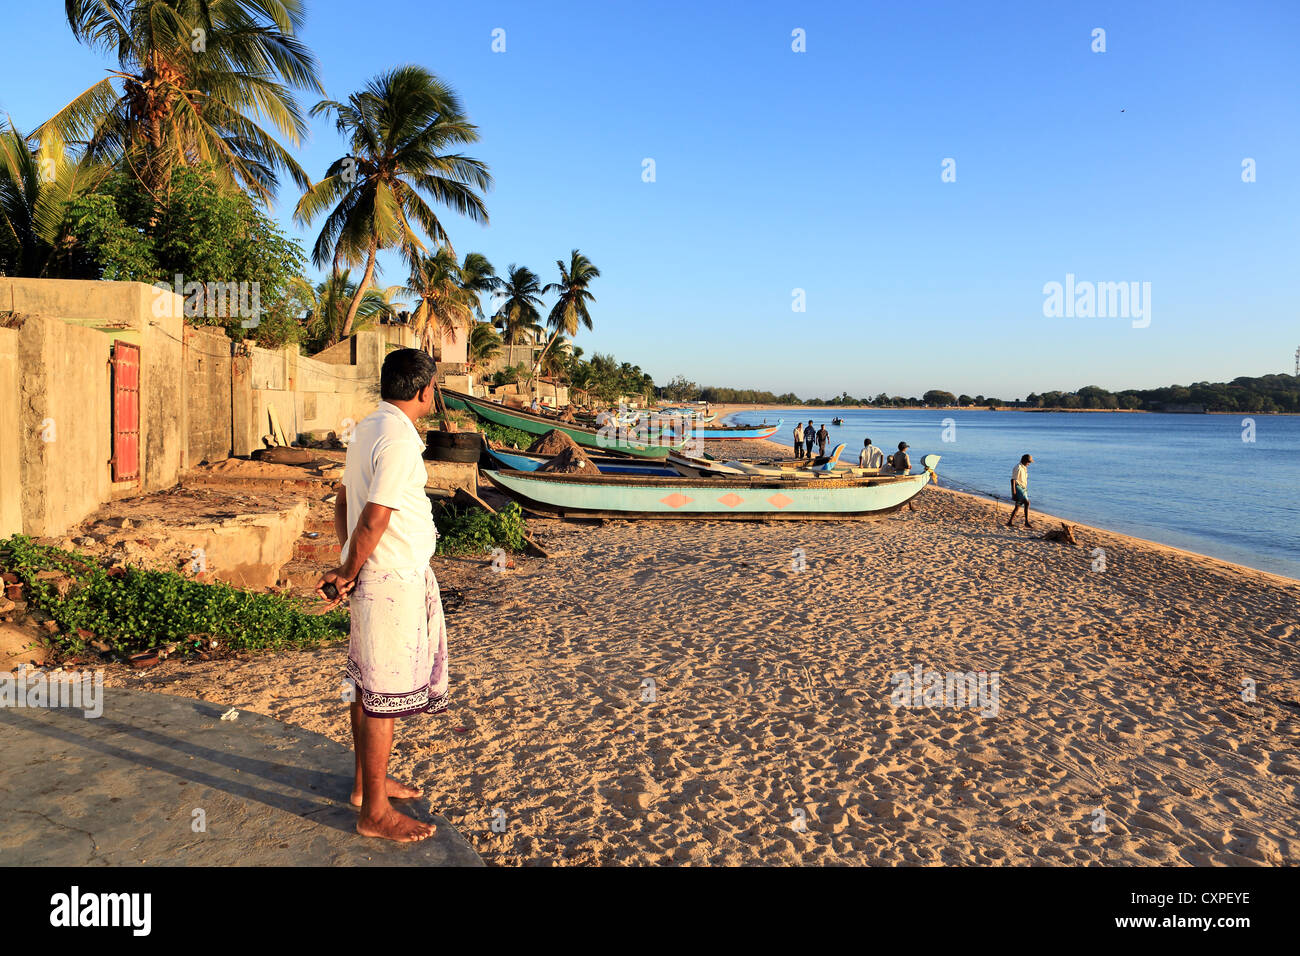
162	780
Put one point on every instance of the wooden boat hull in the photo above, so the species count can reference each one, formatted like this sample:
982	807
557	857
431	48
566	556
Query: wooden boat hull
730	432
750	498
725	432
540	425
522	461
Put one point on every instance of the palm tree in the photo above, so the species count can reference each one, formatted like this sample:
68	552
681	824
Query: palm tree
444	302
519	314
484	345
555	362
193	75
478	278
397	129
570	310
37	188
325	304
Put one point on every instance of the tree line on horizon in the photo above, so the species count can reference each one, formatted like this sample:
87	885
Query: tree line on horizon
1264	394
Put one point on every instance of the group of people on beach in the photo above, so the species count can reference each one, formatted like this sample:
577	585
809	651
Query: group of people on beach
900	463
871	456
805	437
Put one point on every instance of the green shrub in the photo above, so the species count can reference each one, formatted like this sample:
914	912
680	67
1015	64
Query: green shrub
137	610
473	530
515	437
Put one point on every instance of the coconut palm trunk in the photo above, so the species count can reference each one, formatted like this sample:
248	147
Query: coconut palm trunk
537	365
364	284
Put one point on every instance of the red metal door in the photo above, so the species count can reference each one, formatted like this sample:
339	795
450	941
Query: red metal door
126	412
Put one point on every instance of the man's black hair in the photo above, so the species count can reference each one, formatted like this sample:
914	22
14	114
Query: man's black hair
405	372
1024	459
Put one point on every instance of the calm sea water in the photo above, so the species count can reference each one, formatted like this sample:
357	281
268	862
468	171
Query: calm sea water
1190	481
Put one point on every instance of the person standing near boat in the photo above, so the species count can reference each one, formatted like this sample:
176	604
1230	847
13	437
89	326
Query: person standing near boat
870	456
822	436
1020	489
397	653
798	441
808	438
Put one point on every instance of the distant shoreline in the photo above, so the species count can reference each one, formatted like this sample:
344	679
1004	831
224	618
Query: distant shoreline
730	409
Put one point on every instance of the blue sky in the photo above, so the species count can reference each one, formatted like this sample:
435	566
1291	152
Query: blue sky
821	171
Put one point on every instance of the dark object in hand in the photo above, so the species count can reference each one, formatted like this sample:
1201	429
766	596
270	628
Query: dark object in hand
330	591
452	600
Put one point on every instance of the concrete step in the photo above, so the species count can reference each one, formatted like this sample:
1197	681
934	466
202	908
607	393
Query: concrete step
163	780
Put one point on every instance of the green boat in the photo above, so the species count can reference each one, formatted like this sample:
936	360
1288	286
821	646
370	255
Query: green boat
744	498
540	425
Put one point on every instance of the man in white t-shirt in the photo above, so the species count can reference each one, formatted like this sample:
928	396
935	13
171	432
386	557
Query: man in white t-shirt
397	652
870	456
1020	489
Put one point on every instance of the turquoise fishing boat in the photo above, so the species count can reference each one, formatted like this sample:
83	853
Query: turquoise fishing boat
724	432
743	497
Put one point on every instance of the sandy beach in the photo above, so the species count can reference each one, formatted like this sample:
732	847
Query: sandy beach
720	693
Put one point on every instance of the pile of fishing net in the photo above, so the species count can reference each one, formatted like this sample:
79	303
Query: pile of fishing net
565	455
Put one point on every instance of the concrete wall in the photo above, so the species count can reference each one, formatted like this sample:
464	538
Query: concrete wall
111	306
162	399
452	347
11	510
64	415
316	393
199	402
208	424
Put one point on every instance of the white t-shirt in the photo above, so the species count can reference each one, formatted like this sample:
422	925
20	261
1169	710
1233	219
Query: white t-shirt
385	465
871	457
1020	475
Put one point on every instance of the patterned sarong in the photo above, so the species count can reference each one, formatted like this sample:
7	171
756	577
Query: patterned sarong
397	654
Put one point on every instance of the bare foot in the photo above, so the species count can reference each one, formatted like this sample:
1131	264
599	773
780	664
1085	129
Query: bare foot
396	791
1028	525
395	826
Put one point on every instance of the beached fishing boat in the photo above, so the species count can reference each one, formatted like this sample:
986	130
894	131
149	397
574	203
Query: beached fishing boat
651	447
686	413
605	464
741	497
724	432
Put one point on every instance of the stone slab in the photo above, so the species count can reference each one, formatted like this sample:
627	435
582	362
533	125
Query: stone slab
122	790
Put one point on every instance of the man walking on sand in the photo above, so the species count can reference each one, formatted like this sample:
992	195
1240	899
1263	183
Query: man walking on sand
798	441
1020	489
808	437
397	655
822	436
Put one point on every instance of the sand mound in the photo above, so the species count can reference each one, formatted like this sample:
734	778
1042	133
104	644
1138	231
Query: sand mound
552	443
571	461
